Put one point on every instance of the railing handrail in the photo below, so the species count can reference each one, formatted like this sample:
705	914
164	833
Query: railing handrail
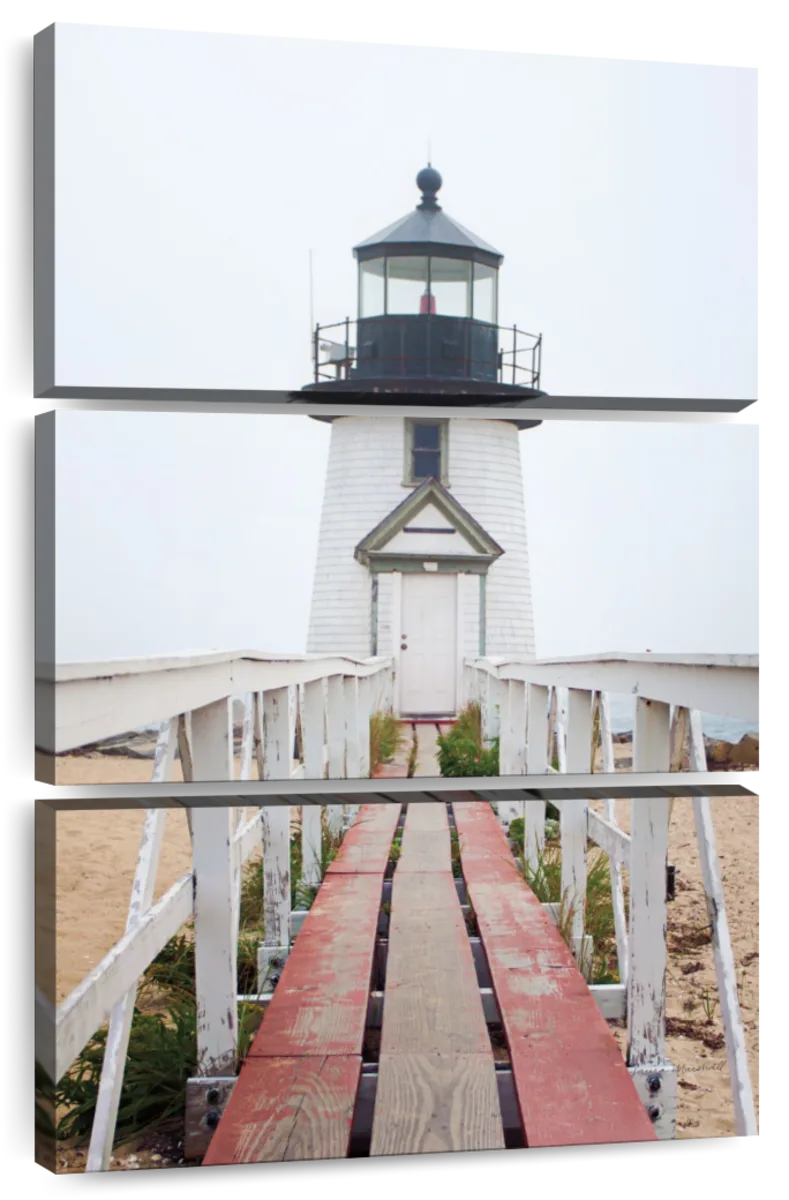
740	661
64	672
724	684
94	701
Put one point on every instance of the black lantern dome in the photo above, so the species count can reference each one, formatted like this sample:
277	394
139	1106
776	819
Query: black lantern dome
427	318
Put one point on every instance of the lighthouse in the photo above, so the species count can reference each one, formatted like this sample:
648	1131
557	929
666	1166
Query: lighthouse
422	550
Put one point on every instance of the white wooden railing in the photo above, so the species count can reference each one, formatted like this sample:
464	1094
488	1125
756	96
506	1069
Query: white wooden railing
328	700
222	841
547	712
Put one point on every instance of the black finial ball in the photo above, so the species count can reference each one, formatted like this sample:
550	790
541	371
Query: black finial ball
428	181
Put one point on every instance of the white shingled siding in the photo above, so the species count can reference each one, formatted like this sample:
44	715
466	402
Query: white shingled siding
386	635
364	482
485	476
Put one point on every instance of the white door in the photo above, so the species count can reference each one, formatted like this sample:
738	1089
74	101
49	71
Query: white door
428	644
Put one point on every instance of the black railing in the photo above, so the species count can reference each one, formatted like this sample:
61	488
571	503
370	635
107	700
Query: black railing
426	346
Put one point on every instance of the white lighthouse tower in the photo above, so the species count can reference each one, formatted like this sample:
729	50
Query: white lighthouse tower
422	552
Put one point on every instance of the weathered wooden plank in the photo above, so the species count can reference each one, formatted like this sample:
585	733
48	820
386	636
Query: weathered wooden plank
429	1103
432	1002
425	845
284	1109
212	742
436	1080
617	884
572	1084
313	725
335	726
320	1003
367	843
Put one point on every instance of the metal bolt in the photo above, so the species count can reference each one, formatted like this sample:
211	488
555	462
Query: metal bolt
212	1096
653	1083
653	1112
212	1118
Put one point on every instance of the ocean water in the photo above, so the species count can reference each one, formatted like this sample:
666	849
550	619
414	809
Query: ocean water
724	729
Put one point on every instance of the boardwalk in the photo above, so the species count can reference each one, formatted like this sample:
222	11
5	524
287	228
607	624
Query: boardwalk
436	1077
425	733
433	1085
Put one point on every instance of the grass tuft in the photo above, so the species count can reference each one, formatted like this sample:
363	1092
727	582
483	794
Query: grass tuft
462	752
386	738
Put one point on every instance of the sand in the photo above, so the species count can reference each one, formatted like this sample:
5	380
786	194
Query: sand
704	1105
96	855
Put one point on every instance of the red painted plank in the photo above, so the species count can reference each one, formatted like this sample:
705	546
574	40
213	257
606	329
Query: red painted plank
572	1084
366	845
288	1108
320	1003
296	1092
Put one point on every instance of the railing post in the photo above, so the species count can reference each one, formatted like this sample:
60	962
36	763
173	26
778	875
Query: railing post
216	941
606	736
512	746
215	936
275	824
490	705
534	832
573	812
536	743
212	741
364	702
652	737
654	1078
353	755
313	721
335	725
536	763
552	741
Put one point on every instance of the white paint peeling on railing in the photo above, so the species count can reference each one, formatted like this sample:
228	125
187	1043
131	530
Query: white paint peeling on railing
725	684
95	701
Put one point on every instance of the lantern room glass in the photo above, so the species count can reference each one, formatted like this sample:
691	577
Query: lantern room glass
372	287
406	285
485	293
450	287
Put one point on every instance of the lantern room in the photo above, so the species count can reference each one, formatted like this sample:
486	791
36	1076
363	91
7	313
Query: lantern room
428	316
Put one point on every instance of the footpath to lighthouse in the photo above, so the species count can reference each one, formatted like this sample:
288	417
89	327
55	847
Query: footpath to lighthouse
321	1082
425	734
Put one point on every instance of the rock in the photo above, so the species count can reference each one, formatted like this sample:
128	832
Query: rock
746	751
724	755
717	752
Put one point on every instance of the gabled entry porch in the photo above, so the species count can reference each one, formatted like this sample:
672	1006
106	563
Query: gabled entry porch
428	562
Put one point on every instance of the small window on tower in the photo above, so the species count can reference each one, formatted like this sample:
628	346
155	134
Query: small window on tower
425	451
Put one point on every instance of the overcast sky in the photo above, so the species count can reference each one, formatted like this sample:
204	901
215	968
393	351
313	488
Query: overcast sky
194	174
